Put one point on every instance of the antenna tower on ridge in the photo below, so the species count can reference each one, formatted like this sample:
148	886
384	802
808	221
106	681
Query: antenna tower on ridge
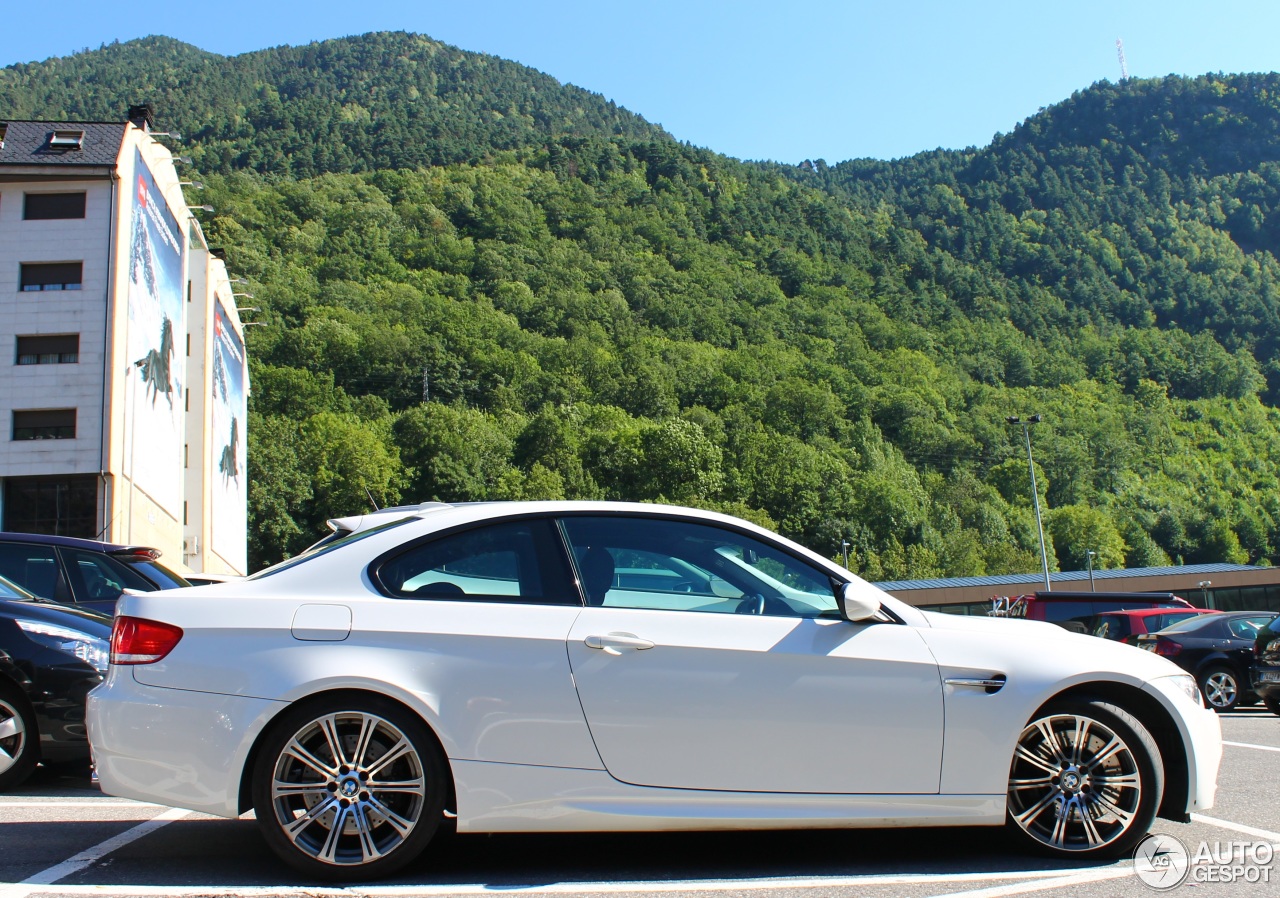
1124	69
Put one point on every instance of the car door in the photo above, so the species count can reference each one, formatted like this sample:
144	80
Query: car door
745	678
35	568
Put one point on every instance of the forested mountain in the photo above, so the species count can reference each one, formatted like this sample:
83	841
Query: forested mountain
575	304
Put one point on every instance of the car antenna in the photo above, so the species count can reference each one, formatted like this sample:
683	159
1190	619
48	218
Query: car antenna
371	500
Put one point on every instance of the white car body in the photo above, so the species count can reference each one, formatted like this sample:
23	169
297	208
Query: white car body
731	721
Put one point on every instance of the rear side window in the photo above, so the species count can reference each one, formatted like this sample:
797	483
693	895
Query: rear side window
35	568
514	561
1112	627
100	577
1059	612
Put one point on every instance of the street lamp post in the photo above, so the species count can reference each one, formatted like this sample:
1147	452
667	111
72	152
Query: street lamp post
1089	557
1035	493
1204	591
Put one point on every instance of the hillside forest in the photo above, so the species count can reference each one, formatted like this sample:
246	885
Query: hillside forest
478	283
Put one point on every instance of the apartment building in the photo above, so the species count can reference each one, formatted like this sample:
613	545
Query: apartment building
123	375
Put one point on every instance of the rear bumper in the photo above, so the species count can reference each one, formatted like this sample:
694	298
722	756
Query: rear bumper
172	746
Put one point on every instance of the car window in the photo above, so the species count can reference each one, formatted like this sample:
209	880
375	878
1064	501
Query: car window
663	564
1160	621
1115	627
1059	612
35	568
1194	622
1247	627
98	577
514	561
318	549
157	573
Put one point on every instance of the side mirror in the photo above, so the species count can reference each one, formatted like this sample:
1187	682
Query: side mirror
858	602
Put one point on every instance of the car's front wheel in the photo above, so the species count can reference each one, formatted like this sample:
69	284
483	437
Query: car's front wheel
1085	781
1220	688
349	788
19	742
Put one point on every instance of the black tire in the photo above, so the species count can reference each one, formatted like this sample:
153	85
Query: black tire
381	745
19	738
1272	701
1072	793
1220	687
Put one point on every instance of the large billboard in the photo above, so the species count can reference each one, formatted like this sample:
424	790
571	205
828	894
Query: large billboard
157	328
228	498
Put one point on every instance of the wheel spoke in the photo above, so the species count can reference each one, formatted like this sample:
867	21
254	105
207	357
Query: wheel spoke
1051	742
1035	782
368	727
1027	755
329	726
1058	837
412	787
1090	828
1081	740
1031	813
11	727
397	751
364	828
294	827
1117	781
400	824
1125	817
281	789
1111	748
328	852
296	750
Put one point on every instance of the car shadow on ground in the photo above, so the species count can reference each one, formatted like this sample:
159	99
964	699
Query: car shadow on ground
231	853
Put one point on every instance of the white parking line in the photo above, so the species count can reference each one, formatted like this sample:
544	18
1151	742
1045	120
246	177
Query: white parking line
1251	745
89	855
1237	827
78	803
1059	882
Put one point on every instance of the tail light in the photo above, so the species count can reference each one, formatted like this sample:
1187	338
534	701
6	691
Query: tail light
135	640
1167	647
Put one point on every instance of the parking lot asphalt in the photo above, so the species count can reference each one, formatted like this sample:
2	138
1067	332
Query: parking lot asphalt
59	837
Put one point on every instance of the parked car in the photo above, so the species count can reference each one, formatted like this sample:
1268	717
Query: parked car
1126	626
51	655
504	664
1265	672
1076	611
1217	649
82	572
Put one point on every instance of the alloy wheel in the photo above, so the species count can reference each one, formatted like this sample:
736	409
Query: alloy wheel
348	788
13	736
1220	689
1075	784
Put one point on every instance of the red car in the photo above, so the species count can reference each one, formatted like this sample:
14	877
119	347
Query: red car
1127	626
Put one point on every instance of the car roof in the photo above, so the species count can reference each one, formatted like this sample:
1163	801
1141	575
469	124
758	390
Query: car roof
75	542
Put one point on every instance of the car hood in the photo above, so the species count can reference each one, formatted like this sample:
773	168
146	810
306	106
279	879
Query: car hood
94	623
999	641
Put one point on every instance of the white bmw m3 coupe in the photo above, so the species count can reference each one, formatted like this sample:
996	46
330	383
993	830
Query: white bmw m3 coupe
593	666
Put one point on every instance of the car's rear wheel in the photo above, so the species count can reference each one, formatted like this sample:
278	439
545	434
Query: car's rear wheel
1085	781
1272	701
1220	688
350	788
19	740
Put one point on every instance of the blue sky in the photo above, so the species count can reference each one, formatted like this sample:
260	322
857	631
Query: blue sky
756	80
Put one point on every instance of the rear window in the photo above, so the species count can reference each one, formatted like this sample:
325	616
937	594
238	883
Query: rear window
157	573
328	547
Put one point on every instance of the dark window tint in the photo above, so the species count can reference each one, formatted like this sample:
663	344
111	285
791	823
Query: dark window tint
51	276
1060	612
45	424
516	561
35	568
670	565
1112	627
55	349
97	577
156	572
41	206
59	506
1248	627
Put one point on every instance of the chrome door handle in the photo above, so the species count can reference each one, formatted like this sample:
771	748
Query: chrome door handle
614	642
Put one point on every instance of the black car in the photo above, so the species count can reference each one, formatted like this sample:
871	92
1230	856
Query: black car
51	655
1217	649
1265	674
82	572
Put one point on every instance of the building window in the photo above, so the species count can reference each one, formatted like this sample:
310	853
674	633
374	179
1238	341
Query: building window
63	506
51	275
47	206
57	349
45	424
